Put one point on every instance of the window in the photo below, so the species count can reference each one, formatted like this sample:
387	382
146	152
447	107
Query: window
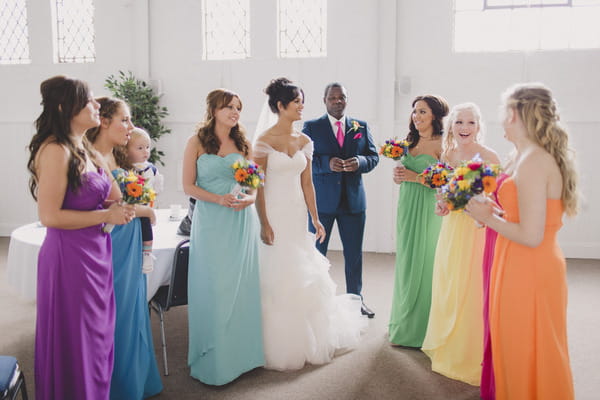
226	29
302	28
525	25
14	40
495	4
73	29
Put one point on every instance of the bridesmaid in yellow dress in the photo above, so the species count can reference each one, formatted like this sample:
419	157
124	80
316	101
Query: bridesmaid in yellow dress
528	294
454	338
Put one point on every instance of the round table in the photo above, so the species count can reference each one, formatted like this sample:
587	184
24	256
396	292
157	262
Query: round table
25	243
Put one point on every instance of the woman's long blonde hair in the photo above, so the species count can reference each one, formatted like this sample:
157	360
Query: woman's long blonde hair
449	143
534	104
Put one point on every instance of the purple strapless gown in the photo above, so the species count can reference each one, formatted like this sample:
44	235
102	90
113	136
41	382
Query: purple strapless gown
75	304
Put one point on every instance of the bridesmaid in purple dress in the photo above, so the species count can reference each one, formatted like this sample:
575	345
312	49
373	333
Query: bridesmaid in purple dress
75	302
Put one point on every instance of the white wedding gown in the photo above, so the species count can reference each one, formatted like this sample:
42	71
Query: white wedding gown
303	319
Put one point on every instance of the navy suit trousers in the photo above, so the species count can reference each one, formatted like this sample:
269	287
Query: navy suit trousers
351	227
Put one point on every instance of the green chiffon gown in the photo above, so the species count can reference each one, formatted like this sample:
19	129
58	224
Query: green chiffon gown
416	239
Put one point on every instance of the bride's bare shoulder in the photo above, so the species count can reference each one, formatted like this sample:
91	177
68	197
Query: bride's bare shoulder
303	138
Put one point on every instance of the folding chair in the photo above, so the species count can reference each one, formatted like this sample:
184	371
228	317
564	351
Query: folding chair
12	380
174	294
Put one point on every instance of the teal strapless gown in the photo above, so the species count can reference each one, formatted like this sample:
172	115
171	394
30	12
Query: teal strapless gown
225	320
135	374
416	239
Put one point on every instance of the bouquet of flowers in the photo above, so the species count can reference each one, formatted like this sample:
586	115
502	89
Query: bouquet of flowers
436	175
470	179
135	189
394	149
247	174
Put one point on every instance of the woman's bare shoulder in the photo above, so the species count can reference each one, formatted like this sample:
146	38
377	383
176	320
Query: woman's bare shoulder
488	154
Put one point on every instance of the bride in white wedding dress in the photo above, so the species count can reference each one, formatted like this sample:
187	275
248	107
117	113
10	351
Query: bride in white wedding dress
303	319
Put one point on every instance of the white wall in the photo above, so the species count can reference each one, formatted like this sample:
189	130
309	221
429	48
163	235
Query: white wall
384	52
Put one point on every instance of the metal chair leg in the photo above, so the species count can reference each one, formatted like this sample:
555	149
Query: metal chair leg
163	339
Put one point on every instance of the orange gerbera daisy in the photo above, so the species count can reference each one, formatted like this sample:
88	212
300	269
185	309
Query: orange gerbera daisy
134	190
437	180
489	184
240	175
396	151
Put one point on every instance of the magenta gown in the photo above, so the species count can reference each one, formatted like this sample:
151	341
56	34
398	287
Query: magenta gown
488	387
75	324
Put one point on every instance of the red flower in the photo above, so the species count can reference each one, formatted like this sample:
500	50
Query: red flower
474	166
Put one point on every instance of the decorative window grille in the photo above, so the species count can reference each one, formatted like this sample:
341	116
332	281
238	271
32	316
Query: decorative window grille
497	4
302	28
14	39
73	23
226	29
526	25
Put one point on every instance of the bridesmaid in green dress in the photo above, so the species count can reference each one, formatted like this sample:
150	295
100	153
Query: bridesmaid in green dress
225	320
417	225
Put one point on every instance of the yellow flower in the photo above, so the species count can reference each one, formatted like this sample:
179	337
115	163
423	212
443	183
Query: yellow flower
255	181
461	171
464	184
151	194
131	177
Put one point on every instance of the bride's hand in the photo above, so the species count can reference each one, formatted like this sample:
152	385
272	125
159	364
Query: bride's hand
244	200
267	235
319	231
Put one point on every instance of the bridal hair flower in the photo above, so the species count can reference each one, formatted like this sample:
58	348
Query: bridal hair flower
355	126
470	179
247	174
436	175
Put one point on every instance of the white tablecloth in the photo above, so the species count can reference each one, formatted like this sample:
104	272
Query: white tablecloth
26	240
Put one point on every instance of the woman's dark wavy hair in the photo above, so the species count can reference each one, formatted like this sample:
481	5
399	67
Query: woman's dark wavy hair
216	100
62	99
439	108
282	90
109	106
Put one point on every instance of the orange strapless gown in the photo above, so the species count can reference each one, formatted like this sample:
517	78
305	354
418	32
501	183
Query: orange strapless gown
528	311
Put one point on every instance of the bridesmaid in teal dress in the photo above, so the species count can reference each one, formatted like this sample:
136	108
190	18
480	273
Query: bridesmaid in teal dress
225	321
417	225
135	373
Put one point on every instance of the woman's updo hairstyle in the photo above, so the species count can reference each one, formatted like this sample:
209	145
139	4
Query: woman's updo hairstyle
282	90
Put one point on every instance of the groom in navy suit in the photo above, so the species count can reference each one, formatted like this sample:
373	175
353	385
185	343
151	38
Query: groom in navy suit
344	150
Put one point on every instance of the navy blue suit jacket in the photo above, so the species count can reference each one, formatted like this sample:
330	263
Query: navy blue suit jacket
329	184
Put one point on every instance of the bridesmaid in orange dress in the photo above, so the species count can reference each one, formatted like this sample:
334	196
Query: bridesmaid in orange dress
528	295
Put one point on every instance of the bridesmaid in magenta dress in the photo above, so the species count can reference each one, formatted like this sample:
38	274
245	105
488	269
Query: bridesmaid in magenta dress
488	388
75	302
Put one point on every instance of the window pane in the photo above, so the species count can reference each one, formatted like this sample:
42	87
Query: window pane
528	28
226	25
302	28
585	28
74	31
468	5
14	39
555	25
524	29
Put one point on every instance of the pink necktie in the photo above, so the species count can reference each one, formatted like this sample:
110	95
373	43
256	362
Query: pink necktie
340	134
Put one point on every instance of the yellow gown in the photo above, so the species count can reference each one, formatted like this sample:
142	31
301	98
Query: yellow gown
454	338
